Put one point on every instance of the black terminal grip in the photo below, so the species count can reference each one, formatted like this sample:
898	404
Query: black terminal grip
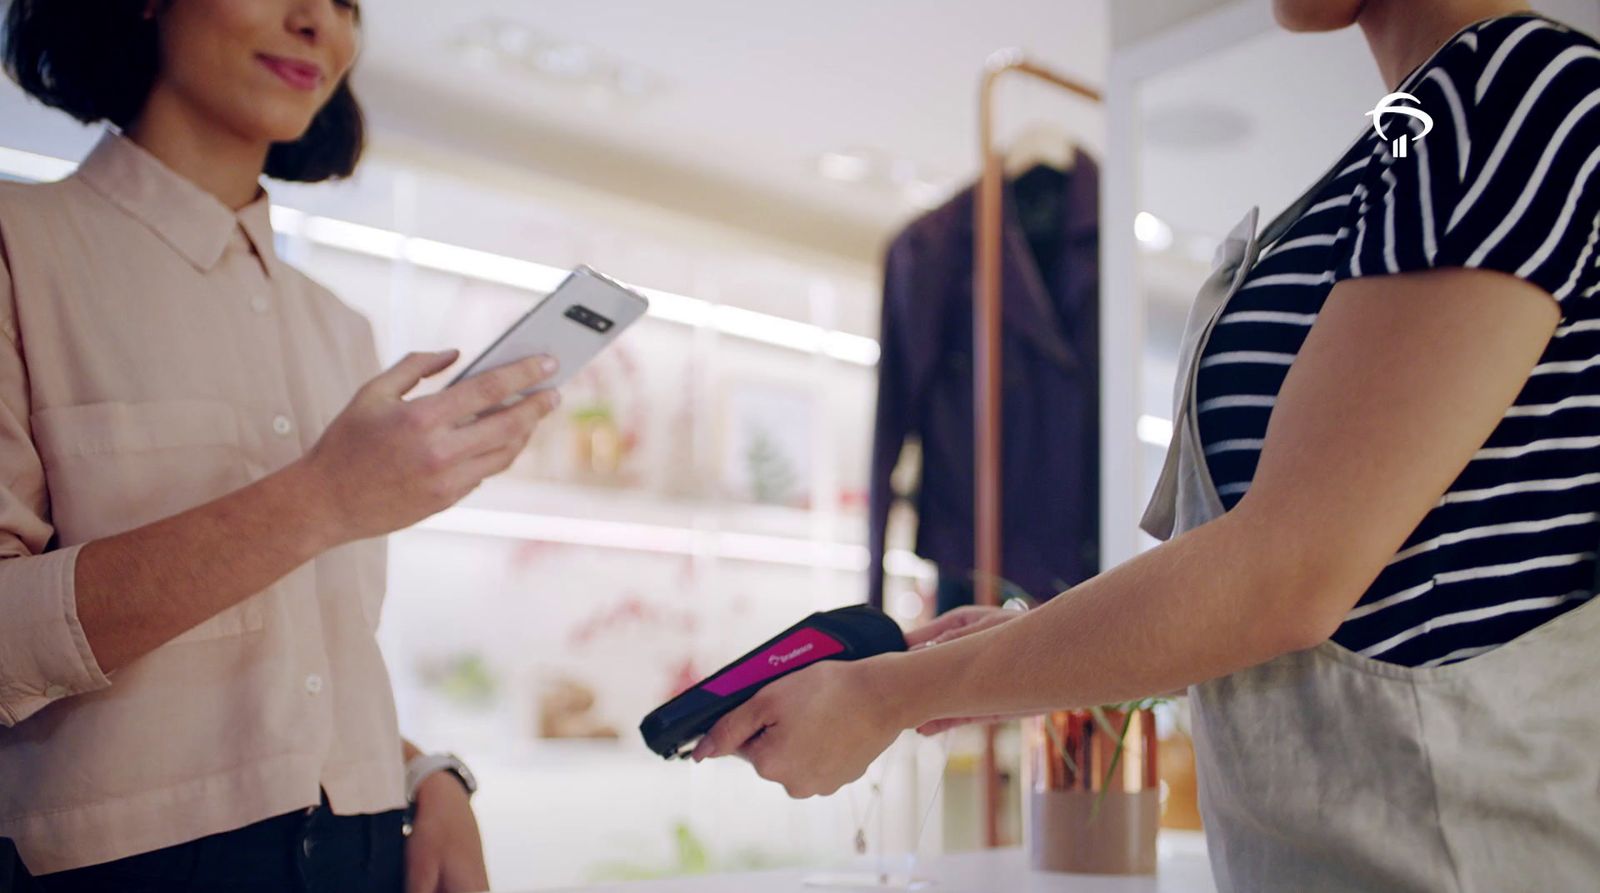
843	634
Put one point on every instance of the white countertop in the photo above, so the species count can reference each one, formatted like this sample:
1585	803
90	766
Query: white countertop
1183	868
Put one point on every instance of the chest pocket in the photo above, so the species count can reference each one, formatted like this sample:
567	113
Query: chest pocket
111	467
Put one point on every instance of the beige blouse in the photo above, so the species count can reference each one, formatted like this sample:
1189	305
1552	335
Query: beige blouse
157	355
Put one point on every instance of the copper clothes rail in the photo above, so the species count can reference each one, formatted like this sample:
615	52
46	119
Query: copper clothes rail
986	364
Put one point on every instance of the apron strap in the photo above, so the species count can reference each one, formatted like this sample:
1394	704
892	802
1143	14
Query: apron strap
1161	513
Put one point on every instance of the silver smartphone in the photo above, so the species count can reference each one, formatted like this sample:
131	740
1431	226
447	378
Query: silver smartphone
584	314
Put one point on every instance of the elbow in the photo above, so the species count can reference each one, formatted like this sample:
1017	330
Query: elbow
1306	588
1304	629
1310	600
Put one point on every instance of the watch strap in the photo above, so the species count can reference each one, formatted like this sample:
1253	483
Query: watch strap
427	764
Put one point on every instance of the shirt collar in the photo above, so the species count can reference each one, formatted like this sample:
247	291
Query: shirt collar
256	220
185	216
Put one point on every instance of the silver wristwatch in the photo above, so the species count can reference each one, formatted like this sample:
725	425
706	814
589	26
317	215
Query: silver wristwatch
429	763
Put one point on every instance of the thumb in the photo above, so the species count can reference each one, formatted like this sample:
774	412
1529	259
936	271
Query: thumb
731	732
400	378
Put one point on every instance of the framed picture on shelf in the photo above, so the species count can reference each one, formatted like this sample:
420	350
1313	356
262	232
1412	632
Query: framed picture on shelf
766	443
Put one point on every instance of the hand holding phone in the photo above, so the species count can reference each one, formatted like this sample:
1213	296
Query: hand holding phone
386	462
573	324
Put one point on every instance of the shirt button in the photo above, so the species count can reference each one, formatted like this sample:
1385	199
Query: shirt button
313	683
54	690
306	847
259	304
281	424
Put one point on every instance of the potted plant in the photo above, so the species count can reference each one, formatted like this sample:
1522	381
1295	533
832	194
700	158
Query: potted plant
1093	792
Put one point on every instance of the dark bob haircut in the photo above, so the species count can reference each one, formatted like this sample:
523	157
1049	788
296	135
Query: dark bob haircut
96	60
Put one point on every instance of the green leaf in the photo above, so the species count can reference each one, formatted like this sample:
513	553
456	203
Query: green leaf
1111	771
1061	746
1098	714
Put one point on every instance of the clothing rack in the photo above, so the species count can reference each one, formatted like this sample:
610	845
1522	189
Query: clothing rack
987	367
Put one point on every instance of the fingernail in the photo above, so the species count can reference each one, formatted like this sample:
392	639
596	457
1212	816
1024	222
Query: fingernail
548	364
704	750
552	400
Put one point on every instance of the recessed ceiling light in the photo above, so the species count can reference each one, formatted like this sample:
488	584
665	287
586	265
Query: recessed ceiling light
512	38
925	194
854	166
516	49
873	169
565	60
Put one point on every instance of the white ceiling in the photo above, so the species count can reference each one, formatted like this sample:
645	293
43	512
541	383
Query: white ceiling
750	94
1291	105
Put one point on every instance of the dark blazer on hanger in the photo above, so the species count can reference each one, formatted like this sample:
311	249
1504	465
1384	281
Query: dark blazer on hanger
1050	377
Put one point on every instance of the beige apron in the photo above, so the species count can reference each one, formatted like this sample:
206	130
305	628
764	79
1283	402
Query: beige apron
1324	770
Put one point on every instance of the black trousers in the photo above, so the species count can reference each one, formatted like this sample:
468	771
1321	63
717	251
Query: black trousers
309	851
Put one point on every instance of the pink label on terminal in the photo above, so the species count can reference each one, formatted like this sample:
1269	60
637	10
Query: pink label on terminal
789	653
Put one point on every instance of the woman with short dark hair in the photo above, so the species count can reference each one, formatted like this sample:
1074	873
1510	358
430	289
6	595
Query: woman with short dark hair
199	458
102	66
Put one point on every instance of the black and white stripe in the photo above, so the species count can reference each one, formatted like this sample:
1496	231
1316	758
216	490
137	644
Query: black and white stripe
1509	180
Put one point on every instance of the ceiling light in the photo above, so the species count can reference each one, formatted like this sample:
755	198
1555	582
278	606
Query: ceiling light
1152	232
516	49
477	56
511	38
536	277
870	168
569	61
846	167
924	194
631	83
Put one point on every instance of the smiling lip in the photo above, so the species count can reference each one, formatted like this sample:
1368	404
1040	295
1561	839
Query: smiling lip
299	75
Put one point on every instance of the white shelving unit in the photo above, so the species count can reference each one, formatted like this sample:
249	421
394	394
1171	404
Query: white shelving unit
547	574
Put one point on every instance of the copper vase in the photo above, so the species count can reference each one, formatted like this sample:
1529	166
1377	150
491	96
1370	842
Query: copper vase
1091	808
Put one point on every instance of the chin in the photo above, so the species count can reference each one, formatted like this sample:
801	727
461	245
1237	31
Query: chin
1315	15
274	125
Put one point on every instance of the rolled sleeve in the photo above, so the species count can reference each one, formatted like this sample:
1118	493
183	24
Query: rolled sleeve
44	655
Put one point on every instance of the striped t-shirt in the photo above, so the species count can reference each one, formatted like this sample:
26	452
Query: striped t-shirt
1505	180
